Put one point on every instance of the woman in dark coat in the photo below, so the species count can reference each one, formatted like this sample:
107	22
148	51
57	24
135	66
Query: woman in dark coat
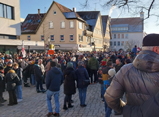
82	76
11	80
69	85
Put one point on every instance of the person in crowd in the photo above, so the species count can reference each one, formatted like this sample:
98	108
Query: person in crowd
134	51
31	72
9	67
139	81
54	79
38	76
94	66
2	85
69	85
82	76
18	89
127	61
12	79
118	65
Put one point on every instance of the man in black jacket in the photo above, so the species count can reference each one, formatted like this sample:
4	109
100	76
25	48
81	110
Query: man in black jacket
2	85
54	79
139	81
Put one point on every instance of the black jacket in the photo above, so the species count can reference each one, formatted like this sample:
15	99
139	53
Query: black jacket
7	69
38	72
11	80
54	79
2	82
140	82
69	82
82	75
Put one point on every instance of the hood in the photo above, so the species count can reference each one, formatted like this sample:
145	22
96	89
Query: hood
147	61
55	70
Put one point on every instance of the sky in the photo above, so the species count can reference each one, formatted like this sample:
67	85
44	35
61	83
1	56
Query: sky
32	6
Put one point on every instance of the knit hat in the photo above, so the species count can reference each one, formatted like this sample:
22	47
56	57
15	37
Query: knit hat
151	40
69	64
111	72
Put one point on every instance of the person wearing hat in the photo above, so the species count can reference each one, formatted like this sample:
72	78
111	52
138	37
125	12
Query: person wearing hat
139	81
2	85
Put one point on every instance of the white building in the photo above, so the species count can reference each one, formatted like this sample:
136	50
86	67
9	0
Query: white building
127	32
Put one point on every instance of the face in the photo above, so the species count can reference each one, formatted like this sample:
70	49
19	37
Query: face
156	49
117	62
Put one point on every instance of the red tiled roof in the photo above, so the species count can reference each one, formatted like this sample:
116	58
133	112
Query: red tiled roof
131	21
31	23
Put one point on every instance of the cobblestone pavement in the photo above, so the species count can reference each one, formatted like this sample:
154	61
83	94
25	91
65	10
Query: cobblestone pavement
34	105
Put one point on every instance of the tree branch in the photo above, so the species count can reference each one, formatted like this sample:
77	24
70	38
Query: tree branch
149	9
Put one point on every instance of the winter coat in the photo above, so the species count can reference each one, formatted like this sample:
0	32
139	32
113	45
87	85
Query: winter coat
20	75
2	82
82	75
38	72
69	82
54	79
7	69
11	79
26	71
93	64
118	67
140	82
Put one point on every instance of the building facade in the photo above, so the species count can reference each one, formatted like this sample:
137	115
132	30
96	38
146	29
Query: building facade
65	28
127	32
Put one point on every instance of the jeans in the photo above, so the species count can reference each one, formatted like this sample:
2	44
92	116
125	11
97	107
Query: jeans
82	95
32	79
93	72
56	99
108	110
39	84
18	91
102	91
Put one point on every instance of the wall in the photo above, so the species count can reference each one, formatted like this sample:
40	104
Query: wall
9	26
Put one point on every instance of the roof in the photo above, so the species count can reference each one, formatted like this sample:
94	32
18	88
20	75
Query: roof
134	24
31	23
90	17
104	22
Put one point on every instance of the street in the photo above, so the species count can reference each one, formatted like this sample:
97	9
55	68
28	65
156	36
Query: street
34	104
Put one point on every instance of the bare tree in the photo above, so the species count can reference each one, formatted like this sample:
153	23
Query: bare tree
130	44
132	6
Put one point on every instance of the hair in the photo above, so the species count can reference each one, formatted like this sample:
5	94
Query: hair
80	63
69	64
11	71
53	63
15	65
109	63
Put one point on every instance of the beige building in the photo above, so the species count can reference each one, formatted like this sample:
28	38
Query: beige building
65	28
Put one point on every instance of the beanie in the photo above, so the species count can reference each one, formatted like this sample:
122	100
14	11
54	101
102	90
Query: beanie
151	40
69	64
111	72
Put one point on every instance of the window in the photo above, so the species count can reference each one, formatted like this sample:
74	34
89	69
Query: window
28	38
42	37
6	11
118	36
62	24
126	36
50	24
122	43
54	12
80	38
118	43
110	43
51	37
71	38
62	37
122	36
114	36
114	43
71	24
80	25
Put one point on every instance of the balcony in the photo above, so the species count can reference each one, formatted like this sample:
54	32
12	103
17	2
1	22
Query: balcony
88	33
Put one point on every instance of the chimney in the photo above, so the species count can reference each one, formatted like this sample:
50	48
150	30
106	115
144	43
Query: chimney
74	9
39	11
142	15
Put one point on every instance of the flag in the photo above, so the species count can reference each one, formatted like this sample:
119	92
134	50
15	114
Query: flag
23	51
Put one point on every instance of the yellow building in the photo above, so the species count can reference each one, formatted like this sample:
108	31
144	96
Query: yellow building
65	28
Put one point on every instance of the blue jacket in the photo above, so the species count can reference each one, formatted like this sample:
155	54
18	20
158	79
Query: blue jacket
54	79
82	75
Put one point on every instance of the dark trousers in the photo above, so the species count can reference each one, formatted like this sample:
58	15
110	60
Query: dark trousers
12	97
25	79
39	85
93	72
67	99
1	96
